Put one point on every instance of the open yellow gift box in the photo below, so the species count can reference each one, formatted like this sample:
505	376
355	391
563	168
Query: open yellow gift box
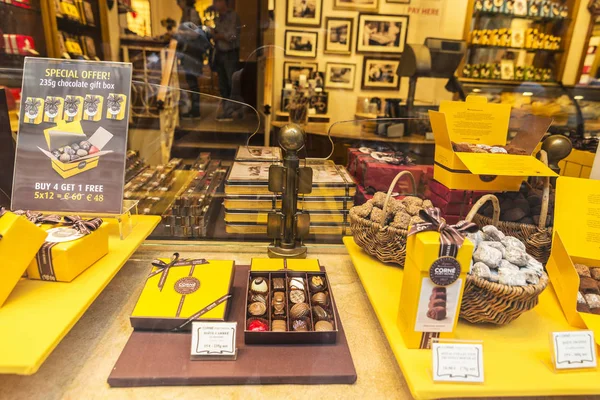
475	121
188	290
576	239
419	292
20	240
67	133
63	262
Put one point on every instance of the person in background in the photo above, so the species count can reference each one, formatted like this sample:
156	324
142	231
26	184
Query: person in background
227	53
190	48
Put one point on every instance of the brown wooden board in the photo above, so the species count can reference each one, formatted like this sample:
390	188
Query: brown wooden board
163	359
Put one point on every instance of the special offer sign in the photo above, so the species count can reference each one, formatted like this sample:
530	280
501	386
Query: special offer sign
72	139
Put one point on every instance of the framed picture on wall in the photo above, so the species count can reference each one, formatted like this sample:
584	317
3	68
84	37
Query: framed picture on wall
304	12
319	101
380	73
292	70
362	5
340	76
301	44
381	33
338	35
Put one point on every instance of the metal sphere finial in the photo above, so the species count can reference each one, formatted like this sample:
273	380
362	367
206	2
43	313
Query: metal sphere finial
291	137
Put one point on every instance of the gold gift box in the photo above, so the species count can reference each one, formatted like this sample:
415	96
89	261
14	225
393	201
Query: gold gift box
69	259
64	134
20	240
188	289
477	122
422	250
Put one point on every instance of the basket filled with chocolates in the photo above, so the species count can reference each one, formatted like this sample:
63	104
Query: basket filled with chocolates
380	226
289	307
526	215
505	280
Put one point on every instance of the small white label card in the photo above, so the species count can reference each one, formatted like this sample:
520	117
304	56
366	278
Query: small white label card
457	362
214	341
574	349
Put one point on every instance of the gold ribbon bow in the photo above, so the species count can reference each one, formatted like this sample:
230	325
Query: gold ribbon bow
451	236
163	267
39	218
83	226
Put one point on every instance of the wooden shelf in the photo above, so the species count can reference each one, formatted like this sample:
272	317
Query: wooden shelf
513	16
474	81
510	48
38	314
355	132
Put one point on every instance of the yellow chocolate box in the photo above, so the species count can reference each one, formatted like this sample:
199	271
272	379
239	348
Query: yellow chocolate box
63	136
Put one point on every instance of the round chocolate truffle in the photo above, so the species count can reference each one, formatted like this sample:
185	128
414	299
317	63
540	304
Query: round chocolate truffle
259	285
319	299
85	145
317	283
323	326
299	310
297	296
82	153
319	313
278	325
299	325
64	158
75	146
257	309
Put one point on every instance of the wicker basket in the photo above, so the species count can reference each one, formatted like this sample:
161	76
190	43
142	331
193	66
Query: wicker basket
489	302
385	242
537	238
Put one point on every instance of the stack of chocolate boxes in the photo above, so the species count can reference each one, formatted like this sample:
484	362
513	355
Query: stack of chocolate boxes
248	199
454	204
192	210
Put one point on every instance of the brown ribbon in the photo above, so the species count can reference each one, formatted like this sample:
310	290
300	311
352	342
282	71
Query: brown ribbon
39	218
203	311
44	255
83	226
451	236
163	267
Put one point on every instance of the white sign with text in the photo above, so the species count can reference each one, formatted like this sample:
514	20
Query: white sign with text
574	350
457	362
214	340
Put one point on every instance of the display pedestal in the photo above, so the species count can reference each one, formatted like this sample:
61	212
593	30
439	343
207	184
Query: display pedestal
517	357
163	359
38	314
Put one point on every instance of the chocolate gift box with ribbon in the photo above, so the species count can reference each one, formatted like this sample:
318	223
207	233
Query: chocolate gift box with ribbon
179	291
20	239
438	258
71	247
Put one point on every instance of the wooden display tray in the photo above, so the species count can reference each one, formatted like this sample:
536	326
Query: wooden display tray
163	359
517	356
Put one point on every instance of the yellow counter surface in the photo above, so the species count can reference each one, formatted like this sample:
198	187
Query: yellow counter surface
516	356
38	314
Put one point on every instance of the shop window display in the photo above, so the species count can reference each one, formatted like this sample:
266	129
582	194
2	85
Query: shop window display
302	169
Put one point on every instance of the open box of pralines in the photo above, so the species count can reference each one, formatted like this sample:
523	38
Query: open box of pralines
289	307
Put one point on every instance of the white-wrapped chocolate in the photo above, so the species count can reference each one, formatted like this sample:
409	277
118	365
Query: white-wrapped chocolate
502	259
481	270
511	277
487	255
516	256
490	232
496	245
511	241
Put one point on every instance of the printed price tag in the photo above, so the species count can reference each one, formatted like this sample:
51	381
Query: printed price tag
214	340
457	362
574	350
